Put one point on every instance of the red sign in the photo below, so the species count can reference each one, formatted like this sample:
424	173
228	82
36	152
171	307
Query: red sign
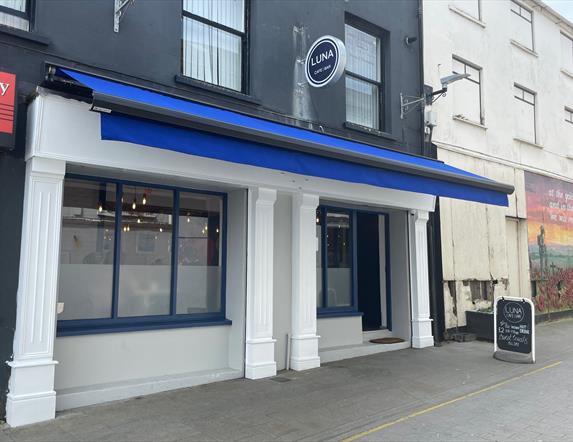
7	102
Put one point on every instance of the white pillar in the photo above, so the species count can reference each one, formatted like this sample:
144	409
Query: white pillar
304	349
260	345
31	397
420	292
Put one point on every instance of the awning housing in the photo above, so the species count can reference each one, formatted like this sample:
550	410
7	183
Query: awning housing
136	115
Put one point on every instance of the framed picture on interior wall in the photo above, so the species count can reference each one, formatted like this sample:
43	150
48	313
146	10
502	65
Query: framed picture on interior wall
145	242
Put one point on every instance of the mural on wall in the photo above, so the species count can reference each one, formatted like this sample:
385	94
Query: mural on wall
550	241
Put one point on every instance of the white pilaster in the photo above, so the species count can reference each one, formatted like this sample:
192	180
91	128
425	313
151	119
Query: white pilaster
31	397
420	292
304	349
260	345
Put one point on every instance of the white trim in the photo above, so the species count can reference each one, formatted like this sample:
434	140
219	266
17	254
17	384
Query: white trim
523	47
69	131
260	345
467	16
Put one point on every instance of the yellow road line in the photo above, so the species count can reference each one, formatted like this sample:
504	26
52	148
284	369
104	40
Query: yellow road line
444	404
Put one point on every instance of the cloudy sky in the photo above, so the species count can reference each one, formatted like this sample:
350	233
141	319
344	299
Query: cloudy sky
564	7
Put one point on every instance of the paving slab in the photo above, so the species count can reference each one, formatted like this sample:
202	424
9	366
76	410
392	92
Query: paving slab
406	392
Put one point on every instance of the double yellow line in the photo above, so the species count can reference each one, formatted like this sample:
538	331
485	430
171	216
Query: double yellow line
445	404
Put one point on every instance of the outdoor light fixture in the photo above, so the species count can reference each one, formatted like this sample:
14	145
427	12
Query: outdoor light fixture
409	103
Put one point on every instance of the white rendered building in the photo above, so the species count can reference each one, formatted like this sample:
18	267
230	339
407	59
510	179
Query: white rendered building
512	121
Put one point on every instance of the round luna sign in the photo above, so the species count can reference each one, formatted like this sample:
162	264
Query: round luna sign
325	61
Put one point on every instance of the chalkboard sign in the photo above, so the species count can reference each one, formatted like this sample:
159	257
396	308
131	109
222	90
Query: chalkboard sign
514	330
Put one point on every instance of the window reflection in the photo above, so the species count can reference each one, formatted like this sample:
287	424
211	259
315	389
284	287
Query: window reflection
87	244
145	265
199	253
339	257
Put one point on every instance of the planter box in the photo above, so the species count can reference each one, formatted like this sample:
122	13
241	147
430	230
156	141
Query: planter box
481	324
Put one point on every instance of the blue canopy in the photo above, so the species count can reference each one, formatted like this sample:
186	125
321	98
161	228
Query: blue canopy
140	116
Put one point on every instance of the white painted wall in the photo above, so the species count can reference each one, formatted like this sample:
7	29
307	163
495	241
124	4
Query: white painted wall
282	283
400	275
336	332
474	235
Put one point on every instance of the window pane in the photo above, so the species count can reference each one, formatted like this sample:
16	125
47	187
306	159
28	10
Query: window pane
319	260
339	272
567	52
467	100
211	55
362	103
199	253
525	120
363	53
522	28
230	13
145	265
87	245
12	20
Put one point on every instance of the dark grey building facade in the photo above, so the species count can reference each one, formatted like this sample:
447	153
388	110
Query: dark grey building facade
264	255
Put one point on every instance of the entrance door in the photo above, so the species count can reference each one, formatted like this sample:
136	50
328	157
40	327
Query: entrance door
368	270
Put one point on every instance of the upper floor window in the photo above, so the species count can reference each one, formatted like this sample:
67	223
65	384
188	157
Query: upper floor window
522	22
470	7
467	92
567	52
364	92
214	41
569	115
525	103
139	255
15	14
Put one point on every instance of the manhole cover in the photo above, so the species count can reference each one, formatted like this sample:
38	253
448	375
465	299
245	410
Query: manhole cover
386	340
279	379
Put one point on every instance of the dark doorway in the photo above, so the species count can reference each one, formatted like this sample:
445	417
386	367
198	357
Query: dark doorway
368	270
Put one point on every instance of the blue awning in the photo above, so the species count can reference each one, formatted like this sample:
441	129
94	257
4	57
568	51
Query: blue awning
140	116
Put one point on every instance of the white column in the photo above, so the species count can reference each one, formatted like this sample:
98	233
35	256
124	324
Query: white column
31	397
260	345
421	322
304	349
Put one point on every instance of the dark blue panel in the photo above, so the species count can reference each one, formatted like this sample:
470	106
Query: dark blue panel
154	134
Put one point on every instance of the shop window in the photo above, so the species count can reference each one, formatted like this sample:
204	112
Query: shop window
15	14
364	91
522	22
467	92
139	256
335	263
525	102
214	42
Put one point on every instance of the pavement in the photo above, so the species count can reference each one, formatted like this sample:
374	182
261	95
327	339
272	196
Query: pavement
456	392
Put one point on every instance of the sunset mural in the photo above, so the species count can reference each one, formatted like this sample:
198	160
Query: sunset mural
550	241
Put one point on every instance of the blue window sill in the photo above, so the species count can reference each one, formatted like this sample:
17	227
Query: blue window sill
98	326
327	313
